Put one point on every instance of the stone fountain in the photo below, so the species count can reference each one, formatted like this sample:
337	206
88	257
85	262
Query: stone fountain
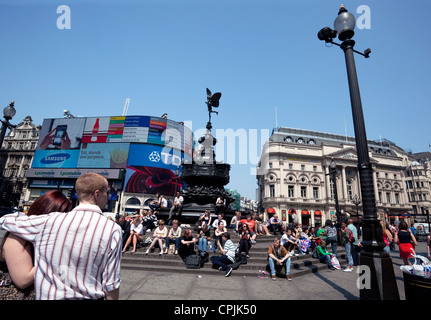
205	178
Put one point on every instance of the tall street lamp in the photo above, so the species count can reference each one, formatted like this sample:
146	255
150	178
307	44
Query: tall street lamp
333	172
357	201
8	113
379	265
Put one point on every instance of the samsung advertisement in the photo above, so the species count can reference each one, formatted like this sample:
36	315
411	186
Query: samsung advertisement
149	149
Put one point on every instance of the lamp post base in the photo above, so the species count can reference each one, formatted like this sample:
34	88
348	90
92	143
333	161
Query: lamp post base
379	277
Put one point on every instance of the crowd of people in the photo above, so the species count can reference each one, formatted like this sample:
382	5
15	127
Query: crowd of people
47	273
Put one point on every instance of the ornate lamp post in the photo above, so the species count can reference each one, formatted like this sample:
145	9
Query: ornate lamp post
357	201
8	113
333	172
378	263
177	173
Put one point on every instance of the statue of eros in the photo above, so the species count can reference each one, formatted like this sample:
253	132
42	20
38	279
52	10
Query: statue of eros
212	101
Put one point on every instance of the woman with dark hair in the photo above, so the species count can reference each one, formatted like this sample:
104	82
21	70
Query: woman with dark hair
405	240
16	254
244	239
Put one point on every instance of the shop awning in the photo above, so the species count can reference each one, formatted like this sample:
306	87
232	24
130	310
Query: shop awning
270	210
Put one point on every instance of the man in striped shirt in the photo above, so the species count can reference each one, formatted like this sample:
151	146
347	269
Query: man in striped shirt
228	255
77	254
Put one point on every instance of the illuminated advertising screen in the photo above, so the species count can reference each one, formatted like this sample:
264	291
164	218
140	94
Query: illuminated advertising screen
103	155
55	159
61	134
103	142
96	130
151	169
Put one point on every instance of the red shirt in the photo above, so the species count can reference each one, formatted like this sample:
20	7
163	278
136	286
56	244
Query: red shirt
251	224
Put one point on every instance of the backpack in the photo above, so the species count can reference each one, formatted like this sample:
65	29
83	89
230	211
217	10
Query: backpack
351	236
204	256
193	262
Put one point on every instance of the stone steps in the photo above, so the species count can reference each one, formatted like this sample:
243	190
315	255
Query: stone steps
300	264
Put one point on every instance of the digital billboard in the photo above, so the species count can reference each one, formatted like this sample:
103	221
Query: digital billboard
103	142
103	155
55	159
61	134
151	169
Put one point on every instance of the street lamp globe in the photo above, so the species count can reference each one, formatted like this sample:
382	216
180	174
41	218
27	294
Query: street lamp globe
9	111
332	165
344	24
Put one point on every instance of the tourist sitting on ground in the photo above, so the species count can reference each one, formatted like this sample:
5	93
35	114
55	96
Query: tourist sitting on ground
263	225
149	221
244	239
323	255
187	246
313	238
136	234
257	224
125	227
218	220
227	257
218	234
234	220
251	227
274	224
173	237
320	232
159	236
203	238
156	204
278	257
220	205
176	207
305	236
289	242
205	218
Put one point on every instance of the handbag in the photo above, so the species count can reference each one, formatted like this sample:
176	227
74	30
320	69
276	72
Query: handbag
193	262
8	290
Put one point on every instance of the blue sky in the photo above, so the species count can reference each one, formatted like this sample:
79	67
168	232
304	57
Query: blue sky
261	55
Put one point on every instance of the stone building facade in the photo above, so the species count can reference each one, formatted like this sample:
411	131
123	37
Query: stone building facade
294	178
16	156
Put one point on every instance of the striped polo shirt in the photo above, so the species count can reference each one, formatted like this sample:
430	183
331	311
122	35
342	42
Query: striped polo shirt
77	254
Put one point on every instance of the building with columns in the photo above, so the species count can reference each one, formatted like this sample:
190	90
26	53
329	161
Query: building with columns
418	184
294	178
16	156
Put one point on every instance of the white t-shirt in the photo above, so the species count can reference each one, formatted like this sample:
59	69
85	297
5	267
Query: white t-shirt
178	200
164	203
139	229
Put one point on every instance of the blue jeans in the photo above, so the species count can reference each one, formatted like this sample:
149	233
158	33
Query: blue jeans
221	261
333	243
175	240
348	248
203	244
326	258
272	265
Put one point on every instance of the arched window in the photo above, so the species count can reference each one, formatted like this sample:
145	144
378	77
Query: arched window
133	202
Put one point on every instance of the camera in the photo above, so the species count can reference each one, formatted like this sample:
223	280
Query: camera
327	34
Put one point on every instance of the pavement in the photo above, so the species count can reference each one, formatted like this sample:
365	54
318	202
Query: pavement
324	285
